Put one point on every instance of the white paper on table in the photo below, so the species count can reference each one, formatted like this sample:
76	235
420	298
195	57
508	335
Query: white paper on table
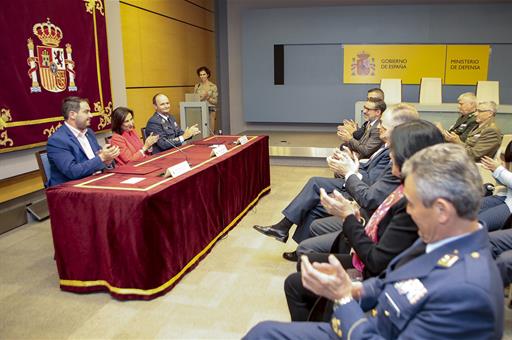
133	180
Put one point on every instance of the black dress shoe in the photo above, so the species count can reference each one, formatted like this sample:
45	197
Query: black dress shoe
280	235
290	256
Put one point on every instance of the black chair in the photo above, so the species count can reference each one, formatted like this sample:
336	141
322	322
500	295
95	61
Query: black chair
143	133
44	166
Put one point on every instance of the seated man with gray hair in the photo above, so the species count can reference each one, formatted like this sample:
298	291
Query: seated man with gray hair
445	286
485	138
466	104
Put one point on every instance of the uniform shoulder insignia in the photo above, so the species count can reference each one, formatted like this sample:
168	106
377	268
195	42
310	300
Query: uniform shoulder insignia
448	260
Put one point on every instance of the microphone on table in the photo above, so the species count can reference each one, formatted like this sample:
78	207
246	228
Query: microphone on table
211	132
177	148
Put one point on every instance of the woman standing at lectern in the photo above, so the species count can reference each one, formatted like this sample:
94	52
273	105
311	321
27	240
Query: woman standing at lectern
207	92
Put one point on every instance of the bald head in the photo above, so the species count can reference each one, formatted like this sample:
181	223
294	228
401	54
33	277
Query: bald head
161	104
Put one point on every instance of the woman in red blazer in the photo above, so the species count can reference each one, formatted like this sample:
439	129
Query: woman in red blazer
125	137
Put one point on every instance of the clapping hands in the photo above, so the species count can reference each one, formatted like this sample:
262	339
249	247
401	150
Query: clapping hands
191	132
343	162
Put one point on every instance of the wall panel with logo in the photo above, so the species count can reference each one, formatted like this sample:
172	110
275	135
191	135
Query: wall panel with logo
313	40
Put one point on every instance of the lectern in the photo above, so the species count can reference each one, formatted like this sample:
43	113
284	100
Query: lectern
195	113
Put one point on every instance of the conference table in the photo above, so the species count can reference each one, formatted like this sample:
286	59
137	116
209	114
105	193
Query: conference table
134	233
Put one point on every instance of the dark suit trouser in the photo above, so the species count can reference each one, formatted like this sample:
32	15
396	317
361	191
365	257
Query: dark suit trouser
501	249
494	212
271	330
300	300
306	207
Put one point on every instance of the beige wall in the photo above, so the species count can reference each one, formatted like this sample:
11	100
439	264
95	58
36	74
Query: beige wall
164	42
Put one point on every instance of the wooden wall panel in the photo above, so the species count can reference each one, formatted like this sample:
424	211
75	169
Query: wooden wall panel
17	186
192	12
163	50
139	100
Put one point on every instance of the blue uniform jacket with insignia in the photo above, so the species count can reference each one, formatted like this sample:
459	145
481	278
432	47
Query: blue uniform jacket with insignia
167	129
453	292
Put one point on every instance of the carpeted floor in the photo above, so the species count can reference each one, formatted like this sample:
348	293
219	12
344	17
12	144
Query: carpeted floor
239	284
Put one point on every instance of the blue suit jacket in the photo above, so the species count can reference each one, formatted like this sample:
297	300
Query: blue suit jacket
68	160
453	292
167	130
376	166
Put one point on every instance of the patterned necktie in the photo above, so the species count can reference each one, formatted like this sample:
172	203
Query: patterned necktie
372	227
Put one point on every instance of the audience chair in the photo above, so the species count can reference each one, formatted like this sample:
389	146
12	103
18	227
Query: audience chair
143	133
44	166
392	90
487	91
431	91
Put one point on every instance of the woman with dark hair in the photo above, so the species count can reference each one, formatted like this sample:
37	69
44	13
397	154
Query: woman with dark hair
125	137
207	92
390	230
496	209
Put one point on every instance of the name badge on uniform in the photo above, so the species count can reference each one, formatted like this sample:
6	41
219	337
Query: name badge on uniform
413	289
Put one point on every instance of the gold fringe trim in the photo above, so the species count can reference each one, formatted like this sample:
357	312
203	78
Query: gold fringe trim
148	292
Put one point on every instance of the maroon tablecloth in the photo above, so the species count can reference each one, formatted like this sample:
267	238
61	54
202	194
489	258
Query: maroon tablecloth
137	240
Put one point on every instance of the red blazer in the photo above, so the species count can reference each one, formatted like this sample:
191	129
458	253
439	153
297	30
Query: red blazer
130	145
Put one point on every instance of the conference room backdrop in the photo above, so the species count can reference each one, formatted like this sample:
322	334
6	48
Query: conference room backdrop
53	49
313	91
163	43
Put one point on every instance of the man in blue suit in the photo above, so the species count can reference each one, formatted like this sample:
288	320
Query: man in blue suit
368	184
163	124
73	151
445	286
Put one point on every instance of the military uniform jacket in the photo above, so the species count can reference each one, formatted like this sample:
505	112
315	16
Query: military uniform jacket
168	129
484	140
453	292
464	125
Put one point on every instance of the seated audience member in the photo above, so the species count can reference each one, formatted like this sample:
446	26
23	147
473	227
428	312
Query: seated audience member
467	119
369	141
445	286
496	209
501	250
485	138
163	124
124	136
389	231
367	192
73	151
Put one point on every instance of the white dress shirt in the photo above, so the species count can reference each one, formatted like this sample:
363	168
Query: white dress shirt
82	139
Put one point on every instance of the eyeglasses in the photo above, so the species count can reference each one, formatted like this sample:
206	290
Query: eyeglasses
367	109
